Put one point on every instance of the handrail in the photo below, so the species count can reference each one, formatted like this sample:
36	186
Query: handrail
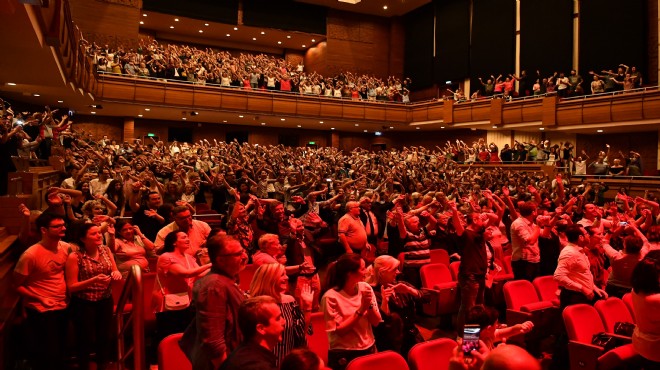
132	289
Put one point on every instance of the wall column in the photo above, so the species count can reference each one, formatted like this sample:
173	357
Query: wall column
129	129
517	51
334	140
576	34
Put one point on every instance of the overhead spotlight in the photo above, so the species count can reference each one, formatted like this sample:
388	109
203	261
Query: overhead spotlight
282	119
171	26
378	133
141	22
92	112
279	43
183	118
313	40
263	123
599	131
11	84
384	7
60	101
254	39
542	128
200	31
176	19
418	127
147	109
240	116
97	106
366	130
235	28
357	125
194	113
299	126
288	36
263	33
332	128
206	24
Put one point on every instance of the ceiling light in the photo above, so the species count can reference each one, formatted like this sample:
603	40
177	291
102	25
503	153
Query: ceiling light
304	46
313	40
332	128
494	126
392	127
299	126
321	122
200	31
279	43
176	19
599	130
357	124
37	95
60	101
139	115
183	118
224	121
350	1
418	127
11	84
384	7
235	28
147	109
241	116
141	22
228	35
263	123
92	112
288	36
144	14
254	39
282	119
366	131
378	133
263	33
171	26
442	126
206	24
541	128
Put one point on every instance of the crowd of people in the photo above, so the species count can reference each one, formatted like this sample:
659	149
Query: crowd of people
245	71
371	218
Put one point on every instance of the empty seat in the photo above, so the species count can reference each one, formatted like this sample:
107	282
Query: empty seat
431	355
627	299
170	355
453	267
611	311
318	341
387	360
520	295
437	278
582	322
547	288
440	256
523	304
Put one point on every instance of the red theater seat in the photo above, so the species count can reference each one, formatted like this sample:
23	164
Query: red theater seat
318	341
431	355
611	311
170	355
437	278
547	288
439	256
387	360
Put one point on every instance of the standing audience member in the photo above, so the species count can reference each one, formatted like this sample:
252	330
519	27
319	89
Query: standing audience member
215	331
526	256
350	310
130	247
89	272
39	280
352	234
271	280
196	231
262	324
646	305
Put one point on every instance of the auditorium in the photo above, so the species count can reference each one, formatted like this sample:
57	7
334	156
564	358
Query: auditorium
329	184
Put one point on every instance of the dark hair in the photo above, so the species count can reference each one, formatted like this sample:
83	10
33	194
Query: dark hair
46	218
179	209
527	208
482	315
573	232
339	270
216	244
170	239
251	313
81	233
633	244
645	278
121	223
300	359
112	193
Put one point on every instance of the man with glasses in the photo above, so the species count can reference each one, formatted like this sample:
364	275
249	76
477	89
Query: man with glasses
198	231
215	332
39	279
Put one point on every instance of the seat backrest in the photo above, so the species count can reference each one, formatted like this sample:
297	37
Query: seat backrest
546	287
613	310
440	256
318	341
627	299
434	273
582	322
431	355
245	277
170	355
387	360
454	266
518	293
507	264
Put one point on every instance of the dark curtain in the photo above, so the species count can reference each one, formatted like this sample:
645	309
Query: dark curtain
285	15
418	53
225	11
452	40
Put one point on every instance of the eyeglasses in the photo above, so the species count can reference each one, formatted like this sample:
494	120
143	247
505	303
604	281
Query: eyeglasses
57	226
235	254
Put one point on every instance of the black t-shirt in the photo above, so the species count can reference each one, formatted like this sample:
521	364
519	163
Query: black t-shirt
473	253
148	225
250	356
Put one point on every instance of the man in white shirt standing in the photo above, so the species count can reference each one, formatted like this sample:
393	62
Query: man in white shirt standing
100	185
573	272
526	256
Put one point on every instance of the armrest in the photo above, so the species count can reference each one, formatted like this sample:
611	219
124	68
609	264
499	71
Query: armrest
536	306
584	356
514	317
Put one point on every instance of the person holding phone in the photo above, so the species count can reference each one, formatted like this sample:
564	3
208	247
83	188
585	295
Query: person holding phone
397	304
350	310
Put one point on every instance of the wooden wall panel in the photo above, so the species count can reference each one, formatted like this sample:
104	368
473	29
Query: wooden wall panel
330	110
106	23
308	108
353	112
238	102
512	113
149	93
207	99
462	114
627	110
284	106
569	115
395	115
120	91
645	143
420	114
596	112
259	103
651	106
179	97
372	112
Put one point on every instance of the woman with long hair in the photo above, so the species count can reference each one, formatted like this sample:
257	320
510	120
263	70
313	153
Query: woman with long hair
397	302
115	193
350	310
271	280
89	272
176	272
646	304
130	247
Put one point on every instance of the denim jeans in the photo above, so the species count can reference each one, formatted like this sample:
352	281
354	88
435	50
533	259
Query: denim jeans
471	288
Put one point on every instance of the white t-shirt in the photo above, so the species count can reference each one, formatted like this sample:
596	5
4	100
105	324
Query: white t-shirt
337	307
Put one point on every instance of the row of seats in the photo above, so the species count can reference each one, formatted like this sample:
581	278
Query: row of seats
431	355
583	321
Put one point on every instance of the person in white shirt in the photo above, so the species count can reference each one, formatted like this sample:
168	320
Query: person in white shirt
100	185
526	256
573	273
197	231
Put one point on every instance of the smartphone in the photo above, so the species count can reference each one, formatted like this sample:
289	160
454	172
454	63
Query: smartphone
470	338
623	224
